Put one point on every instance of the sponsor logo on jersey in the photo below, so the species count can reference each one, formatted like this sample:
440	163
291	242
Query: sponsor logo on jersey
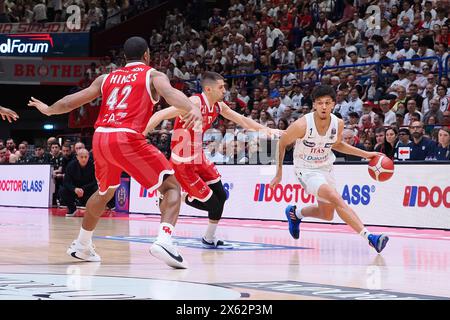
309	144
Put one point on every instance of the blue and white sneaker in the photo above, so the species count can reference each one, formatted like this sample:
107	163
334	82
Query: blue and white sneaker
378	241
294	222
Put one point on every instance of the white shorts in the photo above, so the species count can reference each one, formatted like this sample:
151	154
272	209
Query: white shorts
312	179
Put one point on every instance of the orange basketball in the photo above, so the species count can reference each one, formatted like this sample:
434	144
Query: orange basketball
381	168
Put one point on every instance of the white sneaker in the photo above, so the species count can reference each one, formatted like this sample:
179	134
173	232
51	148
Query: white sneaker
71	214
87	253
169	254
214	243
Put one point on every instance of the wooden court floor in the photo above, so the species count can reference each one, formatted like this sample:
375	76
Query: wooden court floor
327	262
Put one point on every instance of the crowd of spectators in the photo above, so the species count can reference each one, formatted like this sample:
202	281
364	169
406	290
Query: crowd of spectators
260	46
73	168
97	14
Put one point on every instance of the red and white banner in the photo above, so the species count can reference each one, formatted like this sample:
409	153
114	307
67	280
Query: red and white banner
43	71
49	27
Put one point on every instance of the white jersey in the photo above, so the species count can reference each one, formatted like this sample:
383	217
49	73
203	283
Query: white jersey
313	151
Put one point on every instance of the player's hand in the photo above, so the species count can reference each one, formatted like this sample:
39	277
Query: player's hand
79	192
8	114
42	107
275	133
371	155
276	180
193	119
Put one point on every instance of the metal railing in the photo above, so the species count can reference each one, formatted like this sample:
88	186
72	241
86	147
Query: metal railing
442	71
380	64
446	67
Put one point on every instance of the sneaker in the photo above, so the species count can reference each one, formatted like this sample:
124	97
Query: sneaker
87	253
71	212
378	241
214	243
169	254
294	222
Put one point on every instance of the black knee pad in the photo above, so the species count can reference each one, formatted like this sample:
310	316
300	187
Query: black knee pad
219	191
214	207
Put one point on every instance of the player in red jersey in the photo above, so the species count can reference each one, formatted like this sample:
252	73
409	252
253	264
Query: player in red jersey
196	174
8	114
128	96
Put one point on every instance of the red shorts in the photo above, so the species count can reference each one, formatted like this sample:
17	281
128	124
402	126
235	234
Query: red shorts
196	178
115	152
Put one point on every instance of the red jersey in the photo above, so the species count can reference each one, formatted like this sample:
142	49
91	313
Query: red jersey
209	115
127	101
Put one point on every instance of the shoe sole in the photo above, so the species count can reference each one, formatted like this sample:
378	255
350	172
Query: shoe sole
288	216
73	254
225	246
384	240
160	253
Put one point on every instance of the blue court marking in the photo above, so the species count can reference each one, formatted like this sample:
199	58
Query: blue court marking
197	243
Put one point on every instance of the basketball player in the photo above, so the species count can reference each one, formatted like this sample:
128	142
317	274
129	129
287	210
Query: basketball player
196	174
8	114
128	97
315	135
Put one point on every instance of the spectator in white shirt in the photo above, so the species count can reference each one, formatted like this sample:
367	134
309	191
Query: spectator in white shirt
428	95
406	24
246	60
297	97
443	97
392	53
402	81
355	103
389	115
341	106
411	106
40	11
428	9
407	11
285	99
244	96
273	33
309	37
441	18
329	59
407	51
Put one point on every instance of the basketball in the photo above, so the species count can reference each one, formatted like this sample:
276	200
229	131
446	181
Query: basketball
381	168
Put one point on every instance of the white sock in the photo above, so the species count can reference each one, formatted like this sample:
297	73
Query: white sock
165	233
85	237
210	231
365	233
298	213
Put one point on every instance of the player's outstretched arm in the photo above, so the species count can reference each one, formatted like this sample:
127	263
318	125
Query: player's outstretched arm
294	131
8	114
343	147
165	114
245	122
72	101
177	99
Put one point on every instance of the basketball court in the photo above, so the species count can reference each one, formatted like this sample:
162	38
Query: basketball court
329	261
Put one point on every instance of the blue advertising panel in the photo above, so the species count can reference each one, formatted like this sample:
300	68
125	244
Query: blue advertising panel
45	44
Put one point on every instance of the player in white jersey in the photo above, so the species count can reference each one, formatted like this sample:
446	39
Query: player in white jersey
315	135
